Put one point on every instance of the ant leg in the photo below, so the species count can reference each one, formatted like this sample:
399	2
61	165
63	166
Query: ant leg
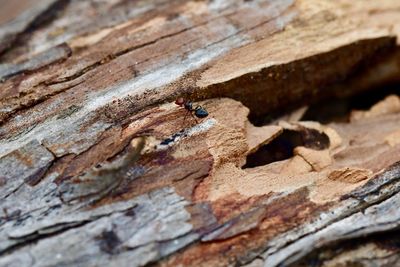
184	119
194	117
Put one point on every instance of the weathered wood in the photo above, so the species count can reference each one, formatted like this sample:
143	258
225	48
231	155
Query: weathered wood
99	167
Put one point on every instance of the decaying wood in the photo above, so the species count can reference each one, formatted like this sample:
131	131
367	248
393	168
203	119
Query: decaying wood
99	167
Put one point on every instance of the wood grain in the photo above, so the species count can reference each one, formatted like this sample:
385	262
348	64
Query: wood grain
99	167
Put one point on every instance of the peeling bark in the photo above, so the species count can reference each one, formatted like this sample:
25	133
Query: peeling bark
98	166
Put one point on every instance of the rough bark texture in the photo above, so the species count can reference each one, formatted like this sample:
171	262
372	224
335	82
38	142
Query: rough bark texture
99	167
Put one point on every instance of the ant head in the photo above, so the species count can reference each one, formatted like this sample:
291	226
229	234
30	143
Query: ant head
180	101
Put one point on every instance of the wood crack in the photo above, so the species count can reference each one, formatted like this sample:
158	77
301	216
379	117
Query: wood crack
29	22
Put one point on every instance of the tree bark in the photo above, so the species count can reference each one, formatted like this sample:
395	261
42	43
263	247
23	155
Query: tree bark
100	167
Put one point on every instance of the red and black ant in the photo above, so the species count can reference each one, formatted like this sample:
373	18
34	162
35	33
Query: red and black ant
198	111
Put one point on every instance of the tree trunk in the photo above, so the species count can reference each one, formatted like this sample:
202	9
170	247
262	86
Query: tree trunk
294	165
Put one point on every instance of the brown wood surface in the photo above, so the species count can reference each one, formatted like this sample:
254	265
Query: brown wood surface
99	167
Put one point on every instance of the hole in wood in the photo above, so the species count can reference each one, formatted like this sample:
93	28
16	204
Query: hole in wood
281	148
334	109
339	109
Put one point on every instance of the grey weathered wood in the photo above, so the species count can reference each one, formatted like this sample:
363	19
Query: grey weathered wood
99	167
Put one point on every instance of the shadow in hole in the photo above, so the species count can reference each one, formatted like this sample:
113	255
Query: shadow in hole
339	109
281	148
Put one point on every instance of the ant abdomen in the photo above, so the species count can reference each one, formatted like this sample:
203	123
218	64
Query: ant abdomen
200	112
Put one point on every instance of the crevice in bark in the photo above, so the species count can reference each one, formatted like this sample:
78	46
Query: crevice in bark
33	102
28	240
61	228
42	19
256	90
339	109
387	242
282	147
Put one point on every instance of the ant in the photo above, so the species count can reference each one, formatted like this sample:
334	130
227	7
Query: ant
198	111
